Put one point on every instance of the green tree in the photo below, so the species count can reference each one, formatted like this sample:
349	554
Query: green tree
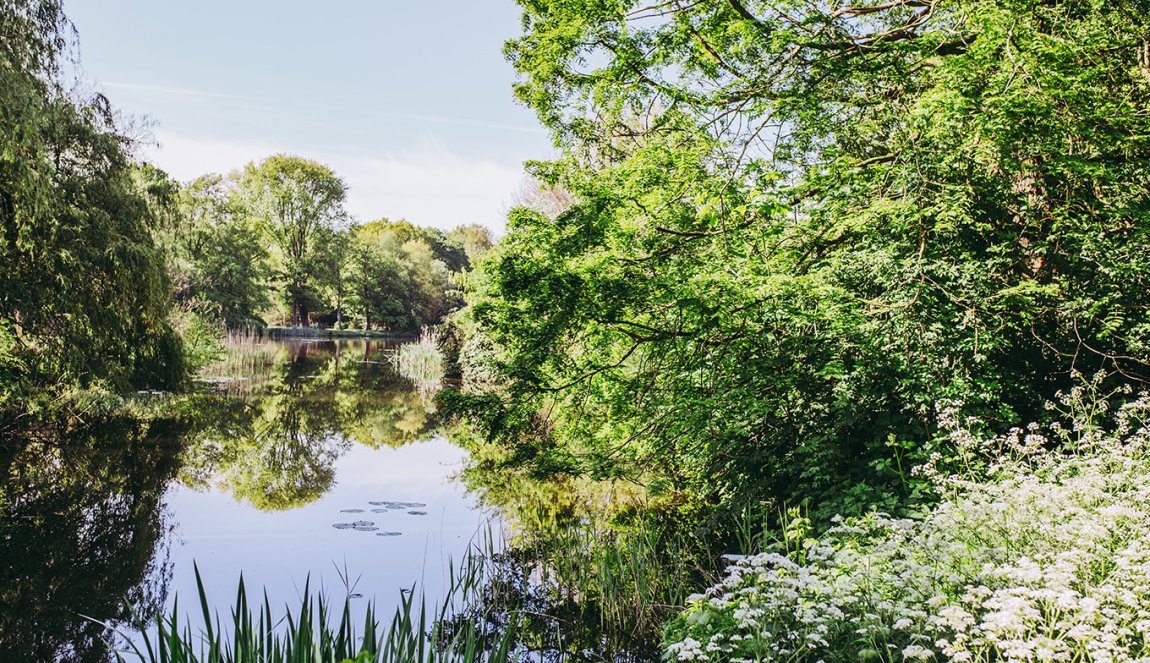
333	261
475	239
296	200
399	277
378	280
798	226
215	255
84	296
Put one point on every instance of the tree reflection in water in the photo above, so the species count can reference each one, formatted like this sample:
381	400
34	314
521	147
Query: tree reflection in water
81	534
83	530
294	414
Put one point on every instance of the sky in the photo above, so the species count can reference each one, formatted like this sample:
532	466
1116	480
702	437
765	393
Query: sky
409	101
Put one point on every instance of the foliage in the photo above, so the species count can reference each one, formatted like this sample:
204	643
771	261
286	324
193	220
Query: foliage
296	200
1048	561
400	275
422	362
83	294
83	533
225	255
201	334
594	567
217	255
796	226
475	239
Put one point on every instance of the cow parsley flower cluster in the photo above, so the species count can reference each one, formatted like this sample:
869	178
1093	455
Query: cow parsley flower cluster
1049	560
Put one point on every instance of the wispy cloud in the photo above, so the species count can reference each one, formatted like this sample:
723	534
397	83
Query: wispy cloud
431	186
180	92
364	110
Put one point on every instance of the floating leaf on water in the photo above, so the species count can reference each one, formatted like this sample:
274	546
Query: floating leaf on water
343	525
351	510
364	528
418	513
398	505
379	510
362	523
388	533
357	595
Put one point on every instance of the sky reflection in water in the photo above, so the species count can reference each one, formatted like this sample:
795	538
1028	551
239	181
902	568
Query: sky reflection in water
249	476
279	550
333	428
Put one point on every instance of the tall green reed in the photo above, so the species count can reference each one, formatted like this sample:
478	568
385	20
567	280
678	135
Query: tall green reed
422	362
312	634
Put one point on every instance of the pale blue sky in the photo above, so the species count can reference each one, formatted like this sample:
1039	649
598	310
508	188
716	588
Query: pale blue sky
409	100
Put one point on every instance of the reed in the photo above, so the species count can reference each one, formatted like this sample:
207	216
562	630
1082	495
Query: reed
247	360
320	631
629	581
422	362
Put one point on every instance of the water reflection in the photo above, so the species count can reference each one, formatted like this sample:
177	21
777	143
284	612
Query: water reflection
294	410
81	534
247	475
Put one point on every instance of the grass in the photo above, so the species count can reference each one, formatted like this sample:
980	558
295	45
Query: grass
422	362
588	593
246	362
322	632
626	582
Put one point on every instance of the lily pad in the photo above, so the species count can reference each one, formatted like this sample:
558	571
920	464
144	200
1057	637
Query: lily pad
351	510
343	525
398	505
417	513
388	533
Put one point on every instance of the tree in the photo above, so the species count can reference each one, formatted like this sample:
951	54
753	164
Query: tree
379	281
475	239
447	249
84	297
219	254
398	276
332	261
296	200
798	226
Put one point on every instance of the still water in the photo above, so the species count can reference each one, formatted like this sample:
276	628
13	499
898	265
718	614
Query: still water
294	462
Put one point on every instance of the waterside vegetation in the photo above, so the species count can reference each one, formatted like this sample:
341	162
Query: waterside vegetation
816	283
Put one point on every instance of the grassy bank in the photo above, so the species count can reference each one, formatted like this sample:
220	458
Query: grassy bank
316	332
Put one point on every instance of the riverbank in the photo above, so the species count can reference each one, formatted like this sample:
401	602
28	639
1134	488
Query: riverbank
280	333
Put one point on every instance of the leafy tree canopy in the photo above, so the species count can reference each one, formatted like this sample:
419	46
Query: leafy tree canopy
798	226
296	200
84	296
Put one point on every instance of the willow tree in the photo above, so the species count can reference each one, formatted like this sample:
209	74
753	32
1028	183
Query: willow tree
801	225
296	200
83	292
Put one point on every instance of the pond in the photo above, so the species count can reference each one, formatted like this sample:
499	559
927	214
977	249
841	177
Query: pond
294	462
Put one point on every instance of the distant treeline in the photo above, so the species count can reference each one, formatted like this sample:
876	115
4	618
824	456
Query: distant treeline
273	243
